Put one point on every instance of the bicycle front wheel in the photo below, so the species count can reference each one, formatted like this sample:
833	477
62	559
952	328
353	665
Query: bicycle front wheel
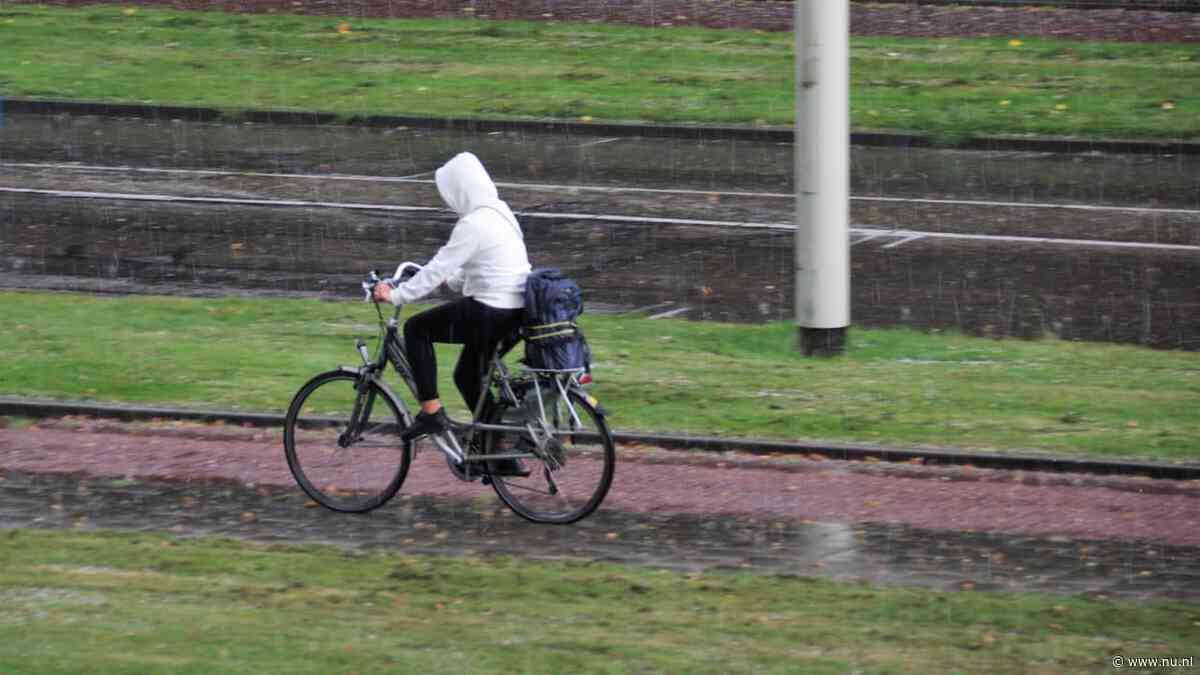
569	479
344	465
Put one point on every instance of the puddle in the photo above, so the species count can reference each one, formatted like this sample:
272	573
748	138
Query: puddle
416	524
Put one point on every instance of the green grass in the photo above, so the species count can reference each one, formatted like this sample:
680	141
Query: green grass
947	88
134	603
894	387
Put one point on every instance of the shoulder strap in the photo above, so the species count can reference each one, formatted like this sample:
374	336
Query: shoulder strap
503	215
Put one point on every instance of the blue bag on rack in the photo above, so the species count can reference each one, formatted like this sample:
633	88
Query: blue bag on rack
553	341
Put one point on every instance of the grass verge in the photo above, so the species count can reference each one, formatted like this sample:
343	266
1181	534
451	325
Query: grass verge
893	387
946	88
116	603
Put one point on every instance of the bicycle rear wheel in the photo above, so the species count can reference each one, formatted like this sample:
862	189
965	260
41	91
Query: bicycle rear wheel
570	480
344	469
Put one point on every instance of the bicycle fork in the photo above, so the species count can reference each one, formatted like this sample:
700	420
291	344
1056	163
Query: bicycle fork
364	401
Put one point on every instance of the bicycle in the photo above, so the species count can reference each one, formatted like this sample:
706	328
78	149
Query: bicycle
347	455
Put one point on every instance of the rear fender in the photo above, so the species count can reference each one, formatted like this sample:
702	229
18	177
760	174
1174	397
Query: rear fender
592	400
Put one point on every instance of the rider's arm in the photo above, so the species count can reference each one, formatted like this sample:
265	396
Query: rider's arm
448	261
455	282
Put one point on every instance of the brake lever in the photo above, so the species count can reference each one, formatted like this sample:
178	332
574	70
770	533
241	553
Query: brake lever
368	286
405	272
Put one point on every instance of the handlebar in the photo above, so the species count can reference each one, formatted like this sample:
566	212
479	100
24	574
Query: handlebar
404	272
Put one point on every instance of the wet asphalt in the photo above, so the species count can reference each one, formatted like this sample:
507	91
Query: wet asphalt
1005	283
440	526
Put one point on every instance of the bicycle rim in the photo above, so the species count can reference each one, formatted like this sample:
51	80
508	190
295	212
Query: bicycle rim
565	486
342	471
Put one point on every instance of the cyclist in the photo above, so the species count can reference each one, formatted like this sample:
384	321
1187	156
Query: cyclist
486	261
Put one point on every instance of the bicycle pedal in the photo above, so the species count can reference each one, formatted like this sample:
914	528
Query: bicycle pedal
556	452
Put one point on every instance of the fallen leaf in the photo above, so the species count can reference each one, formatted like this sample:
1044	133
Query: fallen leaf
343	28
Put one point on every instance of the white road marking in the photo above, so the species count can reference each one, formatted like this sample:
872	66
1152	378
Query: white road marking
1028	205
673	312
134	197
650	308
871	232
414	178
907	237
602	141
866	238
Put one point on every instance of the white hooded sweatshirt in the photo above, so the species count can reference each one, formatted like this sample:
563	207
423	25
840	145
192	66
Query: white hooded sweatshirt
485	258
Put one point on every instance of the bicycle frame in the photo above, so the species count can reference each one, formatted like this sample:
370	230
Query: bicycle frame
392	350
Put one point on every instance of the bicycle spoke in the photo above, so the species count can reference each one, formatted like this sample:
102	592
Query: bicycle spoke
529	488
345	474
559	496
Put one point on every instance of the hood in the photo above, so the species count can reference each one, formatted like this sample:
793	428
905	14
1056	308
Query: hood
465	185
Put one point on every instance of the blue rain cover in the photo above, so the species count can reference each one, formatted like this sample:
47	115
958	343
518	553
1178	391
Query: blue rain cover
552	340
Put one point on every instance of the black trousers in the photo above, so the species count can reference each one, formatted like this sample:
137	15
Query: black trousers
479	328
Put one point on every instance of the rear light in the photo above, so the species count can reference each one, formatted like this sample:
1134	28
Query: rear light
586	378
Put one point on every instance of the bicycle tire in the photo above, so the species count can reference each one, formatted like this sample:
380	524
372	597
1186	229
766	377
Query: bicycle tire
344	474
589	455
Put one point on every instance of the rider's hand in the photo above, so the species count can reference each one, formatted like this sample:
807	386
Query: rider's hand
383	292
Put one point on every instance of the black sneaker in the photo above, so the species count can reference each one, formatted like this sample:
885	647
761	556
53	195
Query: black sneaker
513	468
426	424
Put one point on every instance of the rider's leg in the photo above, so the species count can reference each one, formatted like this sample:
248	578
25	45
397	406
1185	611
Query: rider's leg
492	326
489	327
446	323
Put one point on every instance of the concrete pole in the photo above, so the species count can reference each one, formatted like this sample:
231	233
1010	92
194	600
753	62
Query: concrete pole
822	156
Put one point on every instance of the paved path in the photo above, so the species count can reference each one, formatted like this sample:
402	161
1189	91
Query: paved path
945	528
